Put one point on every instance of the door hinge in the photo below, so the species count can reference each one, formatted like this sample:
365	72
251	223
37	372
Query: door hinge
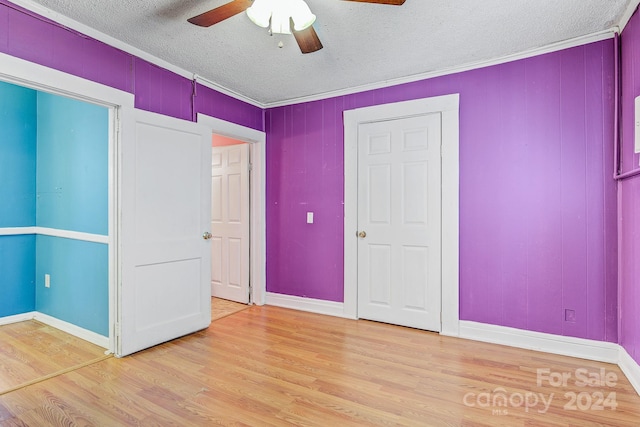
117	334
117	123
250	167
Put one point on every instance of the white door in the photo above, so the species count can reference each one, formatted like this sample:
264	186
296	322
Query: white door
399	221
230	222
165	206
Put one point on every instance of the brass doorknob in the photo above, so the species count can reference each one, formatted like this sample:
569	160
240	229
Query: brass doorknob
362	234
206	235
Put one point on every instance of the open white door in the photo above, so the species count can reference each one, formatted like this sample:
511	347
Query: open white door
165	204
230	222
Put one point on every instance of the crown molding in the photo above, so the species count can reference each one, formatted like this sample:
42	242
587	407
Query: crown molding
554	47
628	13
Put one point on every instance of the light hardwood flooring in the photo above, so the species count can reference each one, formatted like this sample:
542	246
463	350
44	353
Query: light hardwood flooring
30	350
222	308
268	366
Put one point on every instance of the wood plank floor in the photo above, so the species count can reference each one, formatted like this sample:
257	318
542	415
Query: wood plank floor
268	366
30	350
222	308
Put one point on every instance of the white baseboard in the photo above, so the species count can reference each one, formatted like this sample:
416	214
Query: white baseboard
556	344
7	320
312	305
549	343
630	368
69	328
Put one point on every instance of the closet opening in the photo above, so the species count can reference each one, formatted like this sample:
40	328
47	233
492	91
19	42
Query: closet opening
55	228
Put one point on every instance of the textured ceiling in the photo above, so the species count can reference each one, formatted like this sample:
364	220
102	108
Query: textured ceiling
363	43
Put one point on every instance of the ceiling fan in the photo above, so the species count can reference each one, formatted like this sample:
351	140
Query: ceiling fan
261	12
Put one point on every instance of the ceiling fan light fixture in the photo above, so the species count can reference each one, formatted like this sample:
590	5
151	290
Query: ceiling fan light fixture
301	15
280	22
279	13
260	13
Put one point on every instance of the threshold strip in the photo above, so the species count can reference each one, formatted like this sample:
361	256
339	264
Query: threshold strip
56	374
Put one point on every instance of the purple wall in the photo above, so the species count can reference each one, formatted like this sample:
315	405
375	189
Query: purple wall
36	39
537	197
305	165
629	195
216	104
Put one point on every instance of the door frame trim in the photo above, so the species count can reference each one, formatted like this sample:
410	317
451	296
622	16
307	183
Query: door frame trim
448	107
257	201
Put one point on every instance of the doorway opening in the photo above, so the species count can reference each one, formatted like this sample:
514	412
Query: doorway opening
230	212
256	143
54	228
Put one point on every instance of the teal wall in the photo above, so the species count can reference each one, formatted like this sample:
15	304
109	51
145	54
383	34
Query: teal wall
17	156
17	197
17	274
79	292
72	194
54	174
72	160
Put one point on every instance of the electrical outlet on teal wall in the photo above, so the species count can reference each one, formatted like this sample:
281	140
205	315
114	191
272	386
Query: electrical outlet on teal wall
79	292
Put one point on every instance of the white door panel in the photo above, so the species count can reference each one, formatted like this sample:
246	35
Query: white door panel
216	198
399	210
165	209
230	222
379	257
235	198
216	259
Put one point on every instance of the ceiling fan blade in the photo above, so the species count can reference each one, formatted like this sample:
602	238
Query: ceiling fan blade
221	13
391	2
308	40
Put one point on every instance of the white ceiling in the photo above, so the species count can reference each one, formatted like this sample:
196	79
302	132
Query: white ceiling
364	44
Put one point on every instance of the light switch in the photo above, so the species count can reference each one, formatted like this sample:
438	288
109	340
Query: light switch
309	217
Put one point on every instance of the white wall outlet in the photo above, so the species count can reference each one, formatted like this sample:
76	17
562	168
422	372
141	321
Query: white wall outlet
47	281
309	217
